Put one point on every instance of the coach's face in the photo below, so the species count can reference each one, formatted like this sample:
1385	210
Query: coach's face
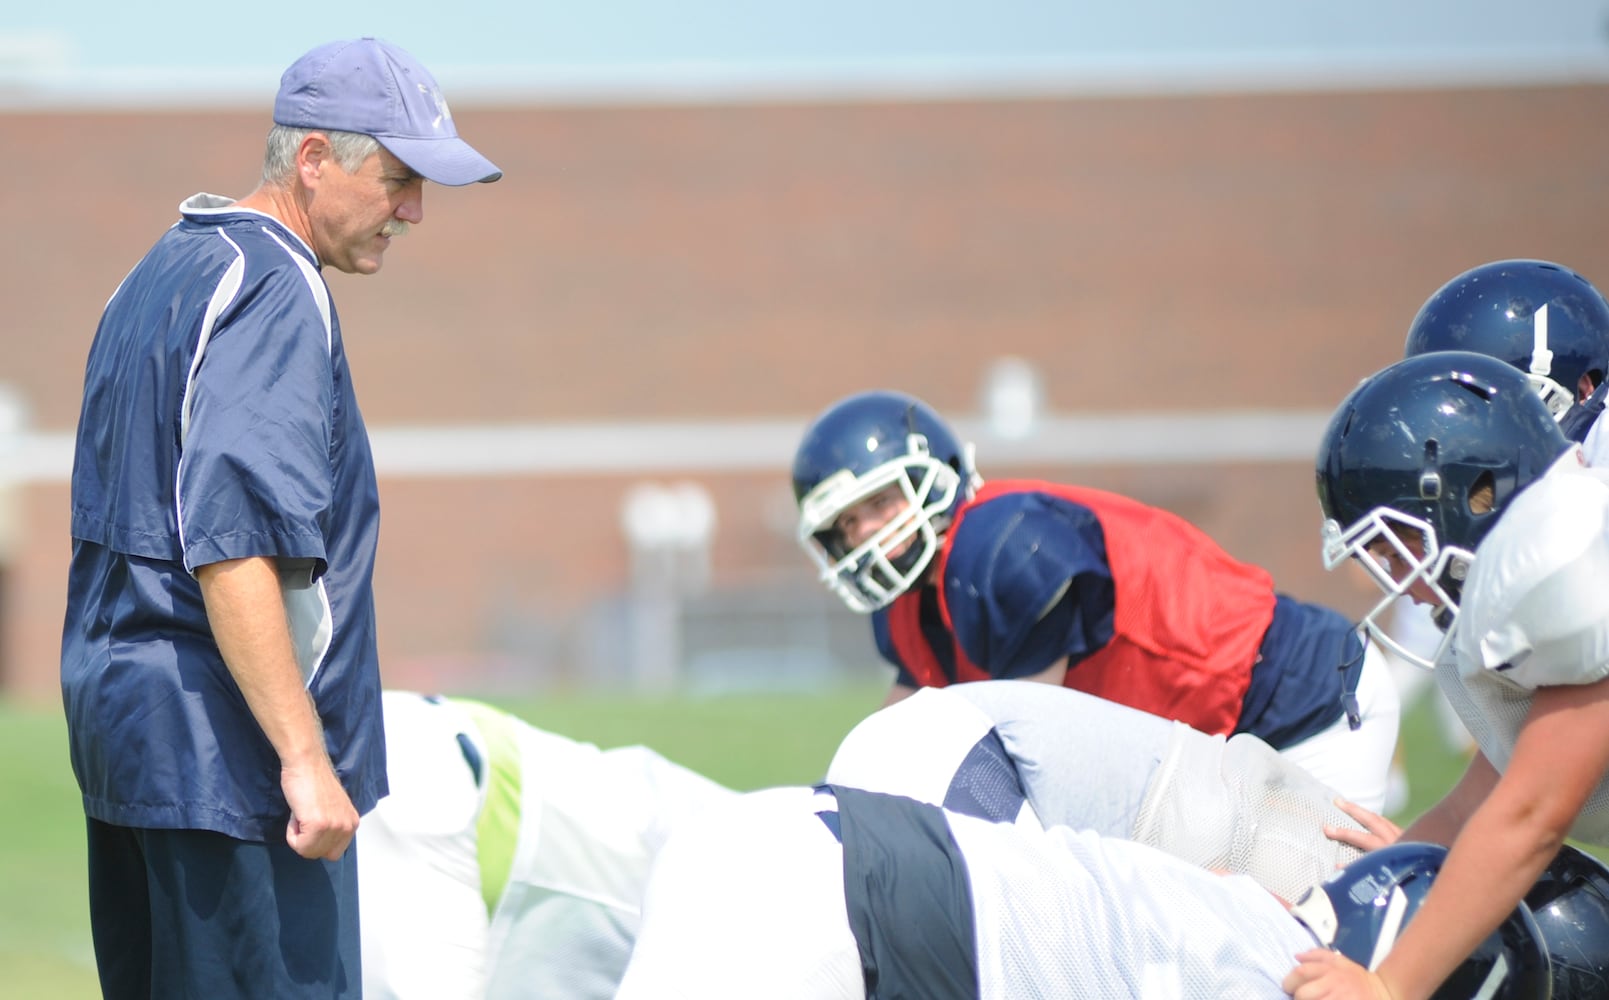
354	215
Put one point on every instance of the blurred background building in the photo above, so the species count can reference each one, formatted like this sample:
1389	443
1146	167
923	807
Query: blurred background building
1148	254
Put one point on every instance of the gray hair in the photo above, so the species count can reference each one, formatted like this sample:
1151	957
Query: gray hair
279	159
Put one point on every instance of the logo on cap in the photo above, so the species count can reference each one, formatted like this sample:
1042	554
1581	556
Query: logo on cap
442	111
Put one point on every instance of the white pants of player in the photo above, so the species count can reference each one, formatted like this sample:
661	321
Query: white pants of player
1357	762
589	824
424	921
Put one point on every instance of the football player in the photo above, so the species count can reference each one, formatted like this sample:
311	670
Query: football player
1447	478
508	861
966	580
1542	318
837	893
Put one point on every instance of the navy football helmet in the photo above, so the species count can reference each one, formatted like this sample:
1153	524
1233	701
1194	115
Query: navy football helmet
1401	459
1363	908
1542	318
1571	905
859	447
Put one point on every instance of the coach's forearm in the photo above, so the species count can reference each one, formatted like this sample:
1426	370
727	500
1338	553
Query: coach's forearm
247	616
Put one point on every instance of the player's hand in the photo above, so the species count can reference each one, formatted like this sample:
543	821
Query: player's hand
1322	974
1377	831
323	819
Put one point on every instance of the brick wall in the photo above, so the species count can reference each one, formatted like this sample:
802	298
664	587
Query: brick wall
756	262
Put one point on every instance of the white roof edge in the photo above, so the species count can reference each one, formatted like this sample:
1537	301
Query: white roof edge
766	445
57	86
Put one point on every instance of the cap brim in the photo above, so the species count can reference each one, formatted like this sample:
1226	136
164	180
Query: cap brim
448	160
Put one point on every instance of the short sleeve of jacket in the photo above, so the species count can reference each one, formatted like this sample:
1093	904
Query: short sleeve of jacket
1536	606
255	472
1027	583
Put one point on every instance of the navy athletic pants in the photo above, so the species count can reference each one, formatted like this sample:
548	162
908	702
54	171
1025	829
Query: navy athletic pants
192	913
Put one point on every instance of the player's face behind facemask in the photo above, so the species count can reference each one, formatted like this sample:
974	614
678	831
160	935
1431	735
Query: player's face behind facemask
878	478
1399	553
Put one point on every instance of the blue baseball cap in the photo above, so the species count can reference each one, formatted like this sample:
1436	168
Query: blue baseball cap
368	86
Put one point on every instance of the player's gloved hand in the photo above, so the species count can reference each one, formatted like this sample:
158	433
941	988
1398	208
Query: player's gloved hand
1377	831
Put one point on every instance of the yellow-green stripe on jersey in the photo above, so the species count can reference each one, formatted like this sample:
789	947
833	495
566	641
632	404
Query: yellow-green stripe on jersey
498	829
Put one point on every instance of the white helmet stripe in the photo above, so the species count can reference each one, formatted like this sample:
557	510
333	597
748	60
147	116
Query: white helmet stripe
1396	912
1494	979
1541	357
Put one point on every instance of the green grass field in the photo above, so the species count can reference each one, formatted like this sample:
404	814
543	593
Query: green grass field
745	742
748	741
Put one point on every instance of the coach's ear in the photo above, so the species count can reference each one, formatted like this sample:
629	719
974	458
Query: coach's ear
313	157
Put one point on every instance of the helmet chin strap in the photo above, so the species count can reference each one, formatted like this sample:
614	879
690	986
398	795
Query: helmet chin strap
1451	582
1351	673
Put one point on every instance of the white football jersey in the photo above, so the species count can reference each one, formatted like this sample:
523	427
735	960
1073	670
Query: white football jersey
749	900
1075	759
508	861
1068	913
1535	613
1596	444
1045	755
